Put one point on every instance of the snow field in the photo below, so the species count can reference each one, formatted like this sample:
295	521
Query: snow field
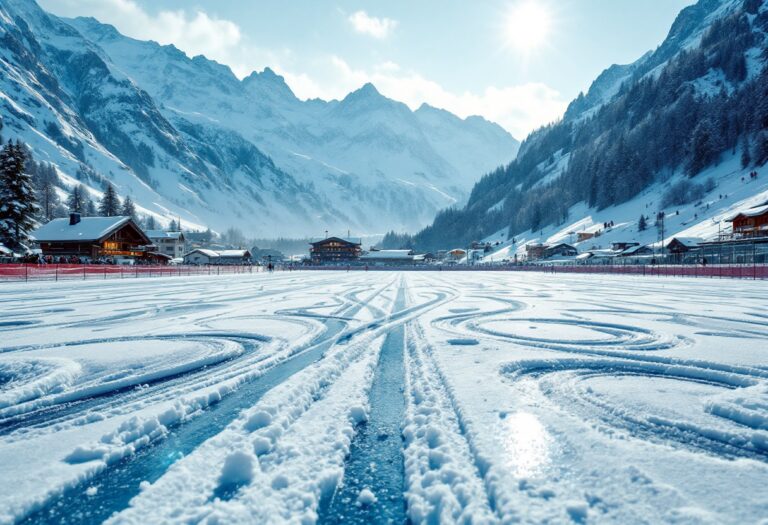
528	398
651	442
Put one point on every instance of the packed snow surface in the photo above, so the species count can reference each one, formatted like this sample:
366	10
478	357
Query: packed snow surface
263	398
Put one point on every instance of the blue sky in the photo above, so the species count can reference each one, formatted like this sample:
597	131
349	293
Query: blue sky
516	62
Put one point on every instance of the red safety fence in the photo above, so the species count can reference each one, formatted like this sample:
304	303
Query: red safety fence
743	271
58	272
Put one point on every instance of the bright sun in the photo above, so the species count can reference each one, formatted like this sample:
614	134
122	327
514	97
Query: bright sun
528	25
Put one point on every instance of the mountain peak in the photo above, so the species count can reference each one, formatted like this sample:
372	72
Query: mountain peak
367	94
369	89
268	80
97	28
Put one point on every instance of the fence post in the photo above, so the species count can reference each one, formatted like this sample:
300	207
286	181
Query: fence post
57	272
26	272
83	272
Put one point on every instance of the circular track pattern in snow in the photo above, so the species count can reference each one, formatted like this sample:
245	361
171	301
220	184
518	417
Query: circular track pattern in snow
570	334
658	402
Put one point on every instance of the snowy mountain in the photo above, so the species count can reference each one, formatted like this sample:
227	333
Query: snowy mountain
677	130
185	137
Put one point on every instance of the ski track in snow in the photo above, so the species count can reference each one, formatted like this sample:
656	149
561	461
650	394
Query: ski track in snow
525	398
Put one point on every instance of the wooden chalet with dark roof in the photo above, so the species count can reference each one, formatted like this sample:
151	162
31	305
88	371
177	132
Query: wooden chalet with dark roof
335	250
92	237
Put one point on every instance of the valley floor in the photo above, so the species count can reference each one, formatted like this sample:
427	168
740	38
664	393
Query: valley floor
380	397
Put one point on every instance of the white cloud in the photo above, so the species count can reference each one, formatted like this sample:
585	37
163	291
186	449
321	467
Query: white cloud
369	25
194	32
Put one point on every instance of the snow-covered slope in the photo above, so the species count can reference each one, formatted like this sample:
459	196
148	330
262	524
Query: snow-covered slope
692	109
685	33
185	137
734	191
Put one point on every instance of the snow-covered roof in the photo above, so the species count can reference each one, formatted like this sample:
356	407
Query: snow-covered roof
751	212
349	240
689	242
161	234
632	250
203	251
88	229
388	254
212	254
234	253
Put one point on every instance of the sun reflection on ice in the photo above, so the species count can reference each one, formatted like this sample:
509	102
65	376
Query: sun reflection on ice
527	444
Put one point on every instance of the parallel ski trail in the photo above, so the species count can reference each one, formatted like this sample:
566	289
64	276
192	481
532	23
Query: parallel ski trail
120	482
375	463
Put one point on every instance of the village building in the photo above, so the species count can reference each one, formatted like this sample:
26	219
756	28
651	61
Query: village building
204	257
751	223
684	249
560	250
638	250
335	250
172	244
596	256
679	245
93	238
455	255
620	246
584	236
534	252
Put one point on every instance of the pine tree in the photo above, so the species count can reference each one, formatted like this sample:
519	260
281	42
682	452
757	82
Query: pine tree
173	226
75	201
110	203
746	158
17	198
150	223
642	224
129	210
47	196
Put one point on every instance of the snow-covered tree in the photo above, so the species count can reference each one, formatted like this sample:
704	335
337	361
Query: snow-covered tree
18	206
109	206
150	223
129	209
642	224
173	226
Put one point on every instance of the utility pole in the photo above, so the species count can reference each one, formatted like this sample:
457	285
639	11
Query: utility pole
660	224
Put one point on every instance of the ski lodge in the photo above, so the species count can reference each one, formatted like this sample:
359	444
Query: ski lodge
93	238
335	250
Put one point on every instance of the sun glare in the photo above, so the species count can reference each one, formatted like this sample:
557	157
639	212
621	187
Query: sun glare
528	26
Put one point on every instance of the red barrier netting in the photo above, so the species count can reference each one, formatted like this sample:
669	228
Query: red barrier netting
713	271
56	272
